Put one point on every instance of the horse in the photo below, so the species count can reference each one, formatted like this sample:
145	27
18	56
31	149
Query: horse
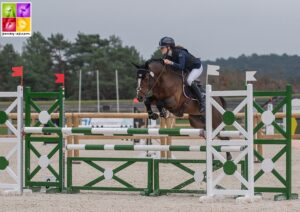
161	85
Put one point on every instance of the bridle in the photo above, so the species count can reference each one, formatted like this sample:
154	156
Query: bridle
149	91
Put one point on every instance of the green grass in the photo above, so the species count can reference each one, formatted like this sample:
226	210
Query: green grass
3	131
182	121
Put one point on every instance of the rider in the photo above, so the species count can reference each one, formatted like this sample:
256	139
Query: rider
180	59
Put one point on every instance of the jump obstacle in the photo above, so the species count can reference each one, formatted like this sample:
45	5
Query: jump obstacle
15	175
243	145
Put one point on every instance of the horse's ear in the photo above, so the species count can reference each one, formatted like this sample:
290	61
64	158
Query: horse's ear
135	65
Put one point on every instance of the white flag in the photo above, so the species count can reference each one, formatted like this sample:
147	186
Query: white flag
212	70
250	76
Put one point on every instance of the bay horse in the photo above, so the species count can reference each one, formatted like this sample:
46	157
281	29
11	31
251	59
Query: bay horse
161	85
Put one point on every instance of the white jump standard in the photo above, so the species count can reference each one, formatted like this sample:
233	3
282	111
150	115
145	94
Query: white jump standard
246	140
15	175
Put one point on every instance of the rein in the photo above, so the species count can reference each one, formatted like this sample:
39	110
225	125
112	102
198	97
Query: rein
150	91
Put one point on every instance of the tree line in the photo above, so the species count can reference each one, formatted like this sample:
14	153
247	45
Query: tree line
42	57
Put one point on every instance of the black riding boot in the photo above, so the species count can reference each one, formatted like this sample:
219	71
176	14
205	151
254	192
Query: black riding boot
200	97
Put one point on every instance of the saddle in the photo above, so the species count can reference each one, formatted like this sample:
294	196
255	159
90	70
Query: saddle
187	91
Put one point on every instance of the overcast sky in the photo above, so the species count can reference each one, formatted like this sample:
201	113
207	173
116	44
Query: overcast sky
208	28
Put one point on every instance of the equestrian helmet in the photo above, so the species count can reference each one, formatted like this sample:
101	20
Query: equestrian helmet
167	41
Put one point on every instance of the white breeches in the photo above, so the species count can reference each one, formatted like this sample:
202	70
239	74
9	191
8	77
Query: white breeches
195	73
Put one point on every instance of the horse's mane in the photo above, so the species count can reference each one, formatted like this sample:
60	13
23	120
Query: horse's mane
161	62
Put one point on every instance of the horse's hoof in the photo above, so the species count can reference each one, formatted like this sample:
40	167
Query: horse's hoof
153	116
203	134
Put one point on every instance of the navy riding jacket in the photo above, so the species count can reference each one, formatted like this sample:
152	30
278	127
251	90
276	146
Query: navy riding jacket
183	60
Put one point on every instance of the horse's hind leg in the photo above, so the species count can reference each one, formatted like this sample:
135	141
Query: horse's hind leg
197	121
228	154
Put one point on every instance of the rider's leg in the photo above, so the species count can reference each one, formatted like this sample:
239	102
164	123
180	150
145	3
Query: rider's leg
200	97
195	73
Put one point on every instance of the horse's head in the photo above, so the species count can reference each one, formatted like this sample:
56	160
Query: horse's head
146	78
142	76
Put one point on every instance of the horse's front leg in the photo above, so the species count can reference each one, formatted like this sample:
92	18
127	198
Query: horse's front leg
151	114
162	111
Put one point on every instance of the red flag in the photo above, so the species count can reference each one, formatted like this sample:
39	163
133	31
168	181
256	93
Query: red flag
17	71
60	78
135	100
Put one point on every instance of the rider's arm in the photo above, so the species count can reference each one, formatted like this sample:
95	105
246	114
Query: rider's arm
181	62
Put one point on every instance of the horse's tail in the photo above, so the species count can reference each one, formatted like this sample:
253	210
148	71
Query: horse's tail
223	102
